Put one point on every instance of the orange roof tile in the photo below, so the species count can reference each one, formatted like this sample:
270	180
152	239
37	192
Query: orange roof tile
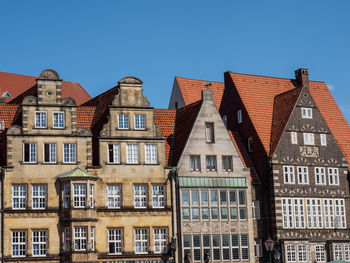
16	84
7	114
191	90
85	115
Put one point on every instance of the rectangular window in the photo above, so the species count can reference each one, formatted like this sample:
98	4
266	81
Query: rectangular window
320	253
114	153
235	247
224	120
210	162
141	241
40	119
2	125
91	195
29	152
195	163
185	197
69	153
227	163
209	132
314	213
160	244
39	196
80	238
244	247
328	206
306	113
225	244
250	144
294	137
291	253
123	121
19	196
299	213
58	119
67	239
339	213
287	212
158	196
256	209
216	247
140	196
92	238
66	196
309	138
113	196
333	176
303	175
151	154
320	175
19	245
79	195
115	237
140	122
132	153
39	243
323	139
239	116
288	174
50	155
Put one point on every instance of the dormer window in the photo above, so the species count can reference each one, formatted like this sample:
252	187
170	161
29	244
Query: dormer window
40	119
306	113
123	121
58	119
239	116
140	121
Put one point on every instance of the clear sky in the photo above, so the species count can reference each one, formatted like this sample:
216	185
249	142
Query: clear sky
97	43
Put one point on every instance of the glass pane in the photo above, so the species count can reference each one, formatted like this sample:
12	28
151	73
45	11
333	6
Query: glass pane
185	213
195	197
242	198
204	197
205	213
224	214
185	197
225	240
233	200
195	213
187	240
216	240
214	213
233	213
213	197
223	197
206	240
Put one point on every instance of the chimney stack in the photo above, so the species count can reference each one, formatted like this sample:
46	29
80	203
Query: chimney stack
302	77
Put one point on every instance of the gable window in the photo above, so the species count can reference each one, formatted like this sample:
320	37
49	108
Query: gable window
58	119
69	152
250	144
320	175
141	241
115	241
210	162
29	152
306	113
239	117
158	196
288	174
195	163
50	153
140	196
323	139
140	121
79	195
294	137
151	154
209	132
113	196
226	163
309	139
303	175
40	119
132	153
19	196
80	238
39	196
160	245
333	176
39	243
114	153
19	245
123	121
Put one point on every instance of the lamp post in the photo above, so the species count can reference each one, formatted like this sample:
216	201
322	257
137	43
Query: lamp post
269	244
277	256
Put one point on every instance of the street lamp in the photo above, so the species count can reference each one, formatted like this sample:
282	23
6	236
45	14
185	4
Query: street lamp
277	256
269	244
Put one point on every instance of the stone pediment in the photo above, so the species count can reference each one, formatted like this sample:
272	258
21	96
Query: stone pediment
49	74
130	80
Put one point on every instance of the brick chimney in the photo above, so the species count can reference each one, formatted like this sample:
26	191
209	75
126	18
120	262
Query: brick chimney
302	77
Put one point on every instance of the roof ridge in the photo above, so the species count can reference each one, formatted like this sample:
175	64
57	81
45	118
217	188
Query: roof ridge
176	77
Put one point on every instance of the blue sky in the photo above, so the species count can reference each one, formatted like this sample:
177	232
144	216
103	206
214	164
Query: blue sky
97	43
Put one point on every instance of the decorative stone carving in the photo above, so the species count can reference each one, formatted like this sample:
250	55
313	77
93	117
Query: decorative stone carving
104	132
14	130
308	127
158	131
29	100
68	102
83	131
208	94
116	100
309	151
49	74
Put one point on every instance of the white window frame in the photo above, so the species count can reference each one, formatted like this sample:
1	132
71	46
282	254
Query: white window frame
158	196
323	139
80	238
320	176
19	240
306	113
69	153
58	123
32	158
52	152
21	189
132	153
309	138
123	121
41	122
39	238
38	196
140	121
239	117
141	240
294	137
114	196
160	240
92	195
115	148
79	195
92	238
299	213
2	125
227	163
140	196
320	253
303	174
291	253
288	173
151	154
333	176
115	237
195	163
287	213
303	251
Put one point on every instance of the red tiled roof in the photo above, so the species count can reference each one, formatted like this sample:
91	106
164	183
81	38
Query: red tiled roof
85	115
7	114
165	119
191	90
258	95
16	84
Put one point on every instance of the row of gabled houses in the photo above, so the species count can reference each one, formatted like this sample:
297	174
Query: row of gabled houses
225	172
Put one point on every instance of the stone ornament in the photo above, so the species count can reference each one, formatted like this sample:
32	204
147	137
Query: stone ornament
309	151
14	130
68	102
83	131
49	74
29	100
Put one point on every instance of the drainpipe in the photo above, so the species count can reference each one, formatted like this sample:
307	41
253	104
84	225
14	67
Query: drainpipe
2	173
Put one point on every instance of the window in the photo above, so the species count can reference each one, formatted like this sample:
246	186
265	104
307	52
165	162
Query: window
132	152
140	121
333	176
69	152
302	252
291	253
339	213
320	175
19	246
258	248
287	212
299	213
160	244
39	196
123	121
239	116
210	162
92	238
79	195
19	196
115	241
113	153
50	153
250	144
306	113
227	163
67	238
2	125
195	163
244	247
141	241
328	205
209	132
303	175
113	196
323	139
151	154
288	174
66	196
225	244
224	120
294	137
256	209
80	238
140	196
40	119
314	213
58	119
320	253
39	243
29	152
309	138
216	247
158	196
91	195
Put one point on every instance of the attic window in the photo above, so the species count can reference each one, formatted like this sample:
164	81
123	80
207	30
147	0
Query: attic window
306	113
2	125
239	116
6	94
